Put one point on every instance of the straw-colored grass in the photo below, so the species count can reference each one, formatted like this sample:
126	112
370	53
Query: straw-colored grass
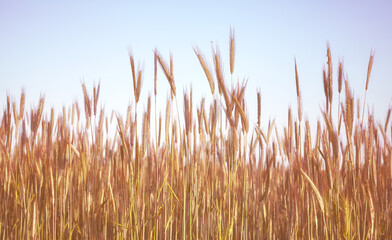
67	177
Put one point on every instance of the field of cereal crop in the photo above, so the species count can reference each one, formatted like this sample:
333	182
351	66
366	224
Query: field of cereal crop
197	172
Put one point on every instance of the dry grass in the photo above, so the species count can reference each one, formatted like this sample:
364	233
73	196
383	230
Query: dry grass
63	178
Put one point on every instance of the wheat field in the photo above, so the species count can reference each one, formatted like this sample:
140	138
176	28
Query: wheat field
201	172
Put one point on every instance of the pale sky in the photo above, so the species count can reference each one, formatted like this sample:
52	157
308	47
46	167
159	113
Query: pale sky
49	47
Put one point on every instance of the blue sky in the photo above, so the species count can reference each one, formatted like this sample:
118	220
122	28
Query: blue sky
49	48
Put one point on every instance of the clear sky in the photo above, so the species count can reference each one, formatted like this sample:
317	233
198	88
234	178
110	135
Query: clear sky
49	47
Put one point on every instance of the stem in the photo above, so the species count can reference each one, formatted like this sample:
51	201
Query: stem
157	178
363	109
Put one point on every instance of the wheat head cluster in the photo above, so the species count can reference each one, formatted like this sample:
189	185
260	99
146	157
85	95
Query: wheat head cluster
212	173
